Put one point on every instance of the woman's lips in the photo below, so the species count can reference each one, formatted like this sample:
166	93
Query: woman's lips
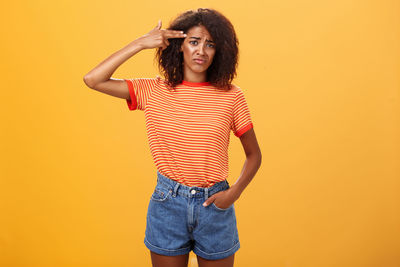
199	61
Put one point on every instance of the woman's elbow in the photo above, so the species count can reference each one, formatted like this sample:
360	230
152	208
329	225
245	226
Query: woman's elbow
87	81
256	157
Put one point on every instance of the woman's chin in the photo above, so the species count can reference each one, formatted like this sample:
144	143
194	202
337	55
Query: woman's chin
200	69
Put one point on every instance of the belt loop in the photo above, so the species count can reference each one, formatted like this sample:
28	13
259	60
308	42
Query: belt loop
206	192
175	189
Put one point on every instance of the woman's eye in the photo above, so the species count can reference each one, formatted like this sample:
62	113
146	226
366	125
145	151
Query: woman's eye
193	42
210	45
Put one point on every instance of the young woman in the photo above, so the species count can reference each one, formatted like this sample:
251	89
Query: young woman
189	115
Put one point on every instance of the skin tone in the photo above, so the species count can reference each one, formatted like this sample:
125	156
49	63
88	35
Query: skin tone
198	50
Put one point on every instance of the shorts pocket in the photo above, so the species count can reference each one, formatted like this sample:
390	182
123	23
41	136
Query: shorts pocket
161	194
218	208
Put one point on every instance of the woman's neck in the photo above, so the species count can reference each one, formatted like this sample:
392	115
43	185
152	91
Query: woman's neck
195	77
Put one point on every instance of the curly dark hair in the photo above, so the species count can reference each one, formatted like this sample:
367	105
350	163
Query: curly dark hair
223	67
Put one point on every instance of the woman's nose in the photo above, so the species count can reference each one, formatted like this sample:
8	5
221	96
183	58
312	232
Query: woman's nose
200	50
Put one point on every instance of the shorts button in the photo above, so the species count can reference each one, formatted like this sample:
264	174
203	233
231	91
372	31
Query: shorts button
193	191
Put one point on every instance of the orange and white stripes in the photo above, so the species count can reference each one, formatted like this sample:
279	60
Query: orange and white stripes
188	127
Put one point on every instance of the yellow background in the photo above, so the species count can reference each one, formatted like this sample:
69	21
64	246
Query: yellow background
322	82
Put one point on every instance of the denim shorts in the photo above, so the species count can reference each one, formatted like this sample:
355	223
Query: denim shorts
177	221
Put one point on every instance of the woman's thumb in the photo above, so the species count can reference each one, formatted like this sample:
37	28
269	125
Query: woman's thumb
159	25
208	201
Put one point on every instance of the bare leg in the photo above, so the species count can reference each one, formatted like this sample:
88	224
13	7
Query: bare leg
226	262
169	261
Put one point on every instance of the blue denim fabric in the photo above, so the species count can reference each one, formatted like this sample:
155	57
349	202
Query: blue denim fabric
177	221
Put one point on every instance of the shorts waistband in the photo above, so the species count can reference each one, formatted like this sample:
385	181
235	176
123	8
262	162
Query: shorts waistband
191	191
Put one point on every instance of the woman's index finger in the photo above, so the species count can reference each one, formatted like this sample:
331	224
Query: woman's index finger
174	34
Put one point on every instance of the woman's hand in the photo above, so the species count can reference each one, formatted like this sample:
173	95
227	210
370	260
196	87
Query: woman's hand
158	37
223	199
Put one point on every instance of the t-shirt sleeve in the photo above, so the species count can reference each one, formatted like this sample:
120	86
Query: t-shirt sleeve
140	90
241	119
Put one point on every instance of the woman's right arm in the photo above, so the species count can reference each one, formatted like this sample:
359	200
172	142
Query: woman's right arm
100	79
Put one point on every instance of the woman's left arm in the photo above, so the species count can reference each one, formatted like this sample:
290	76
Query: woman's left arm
250	168
251	165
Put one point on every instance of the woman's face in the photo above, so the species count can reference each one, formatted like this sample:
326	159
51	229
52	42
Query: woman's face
198	52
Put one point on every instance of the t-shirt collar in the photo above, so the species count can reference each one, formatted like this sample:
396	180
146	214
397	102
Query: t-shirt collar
195	84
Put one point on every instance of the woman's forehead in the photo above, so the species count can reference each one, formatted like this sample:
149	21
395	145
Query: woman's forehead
199	31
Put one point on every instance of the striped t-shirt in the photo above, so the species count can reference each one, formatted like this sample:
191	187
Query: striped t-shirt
188	127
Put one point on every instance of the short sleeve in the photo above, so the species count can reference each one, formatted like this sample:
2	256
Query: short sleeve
241	119
140	90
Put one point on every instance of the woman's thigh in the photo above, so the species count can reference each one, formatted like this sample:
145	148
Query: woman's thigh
169	261
225	262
